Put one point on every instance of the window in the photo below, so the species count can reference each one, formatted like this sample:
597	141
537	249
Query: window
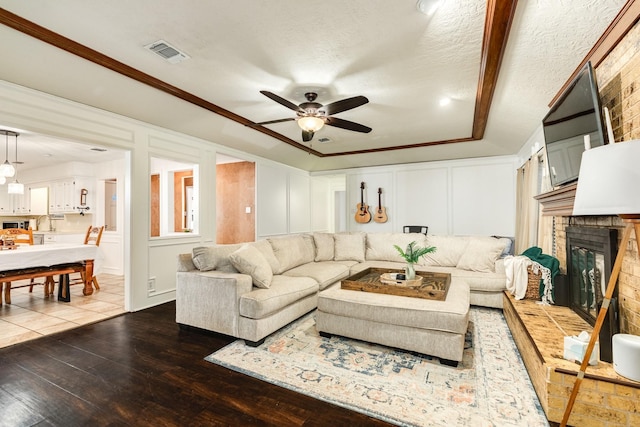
174	197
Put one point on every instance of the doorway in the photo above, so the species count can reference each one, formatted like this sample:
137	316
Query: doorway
235	200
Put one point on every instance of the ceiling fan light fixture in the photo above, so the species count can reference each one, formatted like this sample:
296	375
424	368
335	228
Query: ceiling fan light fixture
310	123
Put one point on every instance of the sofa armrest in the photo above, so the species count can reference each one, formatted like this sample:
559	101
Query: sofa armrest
210	300
185	262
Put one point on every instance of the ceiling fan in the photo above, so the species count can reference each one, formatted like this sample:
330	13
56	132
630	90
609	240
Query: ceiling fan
312	116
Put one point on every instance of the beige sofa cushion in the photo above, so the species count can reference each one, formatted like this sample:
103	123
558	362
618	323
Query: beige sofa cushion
349	246
207	258
380	245
324	246
283	292
481	254
249	260
324	272
448	251
267	251
292	251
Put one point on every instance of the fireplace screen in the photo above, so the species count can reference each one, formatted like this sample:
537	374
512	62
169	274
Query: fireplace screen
590	252
587	268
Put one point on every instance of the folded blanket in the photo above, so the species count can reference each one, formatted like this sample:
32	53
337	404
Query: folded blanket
517	276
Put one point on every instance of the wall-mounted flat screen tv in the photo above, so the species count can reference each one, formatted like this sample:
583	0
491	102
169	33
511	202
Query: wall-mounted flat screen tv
575	114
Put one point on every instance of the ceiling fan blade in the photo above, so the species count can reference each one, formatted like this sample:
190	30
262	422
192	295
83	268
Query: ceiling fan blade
307	135
277	121
344	105
280	100
346	124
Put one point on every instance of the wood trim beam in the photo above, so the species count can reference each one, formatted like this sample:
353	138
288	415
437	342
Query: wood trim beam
497	26
43	34
619	27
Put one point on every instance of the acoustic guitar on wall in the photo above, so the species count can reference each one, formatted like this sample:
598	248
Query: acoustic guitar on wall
362	214
381	213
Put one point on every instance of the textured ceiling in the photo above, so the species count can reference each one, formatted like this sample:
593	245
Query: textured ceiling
403	61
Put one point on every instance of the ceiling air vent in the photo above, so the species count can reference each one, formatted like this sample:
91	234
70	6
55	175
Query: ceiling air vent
168	52
324	140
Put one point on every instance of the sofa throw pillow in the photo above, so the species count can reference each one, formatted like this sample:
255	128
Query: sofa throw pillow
380	245
267	251
309	249
289	250
448	251
207	258
249	260
349	246
324	246
481	254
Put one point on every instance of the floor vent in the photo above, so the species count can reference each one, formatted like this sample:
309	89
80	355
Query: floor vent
168	52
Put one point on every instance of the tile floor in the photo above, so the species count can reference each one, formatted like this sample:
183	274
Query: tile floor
31	315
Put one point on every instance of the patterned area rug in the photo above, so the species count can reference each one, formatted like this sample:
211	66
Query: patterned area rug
490	387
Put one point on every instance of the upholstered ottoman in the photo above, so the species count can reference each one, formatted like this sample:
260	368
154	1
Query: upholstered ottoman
436	328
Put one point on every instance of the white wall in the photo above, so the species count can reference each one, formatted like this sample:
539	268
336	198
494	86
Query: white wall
463	197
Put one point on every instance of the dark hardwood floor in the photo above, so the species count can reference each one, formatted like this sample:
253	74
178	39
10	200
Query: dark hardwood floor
140	369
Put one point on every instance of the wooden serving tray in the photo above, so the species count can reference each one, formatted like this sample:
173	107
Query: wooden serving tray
434	286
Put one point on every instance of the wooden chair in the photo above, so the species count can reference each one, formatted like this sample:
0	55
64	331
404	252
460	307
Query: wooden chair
93	237
19	235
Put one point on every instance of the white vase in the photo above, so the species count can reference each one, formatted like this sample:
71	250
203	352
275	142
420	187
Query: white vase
410	272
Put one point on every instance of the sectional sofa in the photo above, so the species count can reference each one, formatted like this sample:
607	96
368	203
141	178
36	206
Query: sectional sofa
251	290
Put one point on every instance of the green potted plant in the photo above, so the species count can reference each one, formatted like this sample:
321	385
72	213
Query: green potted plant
411	255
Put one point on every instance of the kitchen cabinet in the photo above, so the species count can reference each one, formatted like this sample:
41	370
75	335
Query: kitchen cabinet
39	200
65	195
32	202
5	201
21	203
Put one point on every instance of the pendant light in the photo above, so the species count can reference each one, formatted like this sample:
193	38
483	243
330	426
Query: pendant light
15	187
6	169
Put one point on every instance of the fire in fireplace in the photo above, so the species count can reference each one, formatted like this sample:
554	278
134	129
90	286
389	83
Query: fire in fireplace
590	255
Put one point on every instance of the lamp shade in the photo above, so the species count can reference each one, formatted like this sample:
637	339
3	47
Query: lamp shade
15	187
608	180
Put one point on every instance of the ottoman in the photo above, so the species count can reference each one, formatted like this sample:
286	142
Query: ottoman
435	328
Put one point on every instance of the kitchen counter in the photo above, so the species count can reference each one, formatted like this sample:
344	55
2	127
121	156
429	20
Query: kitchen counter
58	237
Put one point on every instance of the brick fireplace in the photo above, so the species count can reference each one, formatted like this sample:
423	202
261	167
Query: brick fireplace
605	398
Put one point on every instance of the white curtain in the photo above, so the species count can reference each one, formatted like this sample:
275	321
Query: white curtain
528	209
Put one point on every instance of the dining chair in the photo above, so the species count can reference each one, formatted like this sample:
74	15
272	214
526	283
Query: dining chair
18	235
93	237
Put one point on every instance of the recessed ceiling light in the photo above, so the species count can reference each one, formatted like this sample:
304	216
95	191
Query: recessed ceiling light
428	7
445	101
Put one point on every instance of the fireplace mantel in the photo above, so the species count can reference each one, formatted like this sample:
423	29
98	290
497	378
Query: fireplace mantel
558	202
